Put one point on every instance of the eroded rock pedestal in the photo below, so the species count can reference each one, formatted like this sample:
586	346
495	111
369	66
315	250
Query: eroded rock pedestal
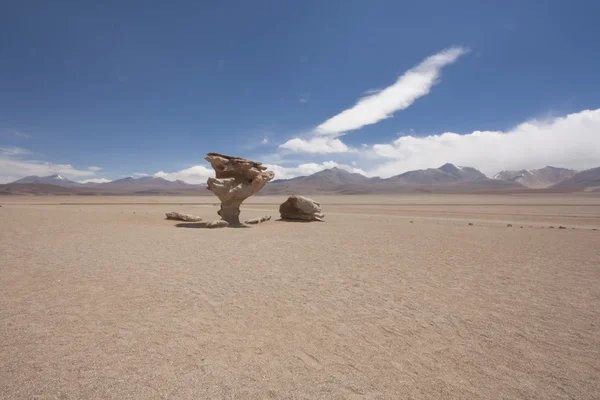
301	208
236	180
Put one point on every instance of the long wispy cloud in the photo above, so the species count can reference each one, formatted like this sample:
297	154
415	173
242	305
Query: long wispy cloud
13	151
21	134
414	83
378	105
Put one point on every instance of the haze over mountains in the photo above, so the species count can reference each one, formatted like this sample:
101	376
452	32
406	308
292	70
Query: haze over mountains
55	179
588	180
537	178
146	183
446	179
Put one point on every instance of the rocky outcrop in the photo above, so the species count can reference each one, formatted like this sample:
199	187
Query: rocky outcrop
183	217
236	180
219	223
301	208
258	220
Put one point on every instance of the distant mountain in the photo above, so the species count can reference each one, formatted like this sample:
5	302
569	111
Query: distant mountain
55	179
588	180
446	174
537	178
462	173
332	180
336	176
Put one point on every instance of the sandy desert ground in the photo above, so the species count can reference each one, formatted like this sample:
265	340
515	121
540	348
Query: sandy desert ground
102	298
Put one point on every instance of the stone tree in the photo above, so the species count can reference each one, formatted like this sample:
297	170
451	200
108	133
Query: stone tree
236	180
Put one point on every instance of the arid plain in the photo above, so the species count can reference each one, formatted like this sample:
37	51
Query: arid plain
392	297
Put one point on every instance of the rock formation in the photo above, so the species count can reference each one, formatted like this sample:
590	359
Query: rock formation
258	220
301	208
236	180
183	217
219	223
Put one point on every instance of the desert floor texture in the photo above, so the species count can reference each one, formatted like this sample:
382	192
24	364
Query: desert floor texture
102	298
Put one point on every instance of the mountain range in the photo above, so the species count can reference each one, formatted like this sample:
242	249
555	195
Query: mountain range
446	179
56	184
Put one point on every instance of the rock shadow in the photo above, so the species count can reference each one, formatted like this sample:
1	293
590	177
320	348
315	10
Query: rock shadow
203	225
301	221
197	225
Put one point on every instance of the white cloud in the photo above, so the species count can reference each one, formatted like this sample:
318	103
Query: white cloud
381	104
140	174
14	132
572	141
265	140
195	175
307	169
95	180
304	98
13	151
95	168
320	145
22	135
13	166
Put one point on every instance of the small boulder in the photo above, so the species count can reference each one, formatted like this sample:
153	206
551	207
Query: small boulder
219	223
301	208
509	225
258	220
183	217
562	227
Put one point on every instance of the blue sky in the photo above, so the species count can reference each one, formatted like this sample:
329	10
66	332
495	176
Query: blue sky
150	87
